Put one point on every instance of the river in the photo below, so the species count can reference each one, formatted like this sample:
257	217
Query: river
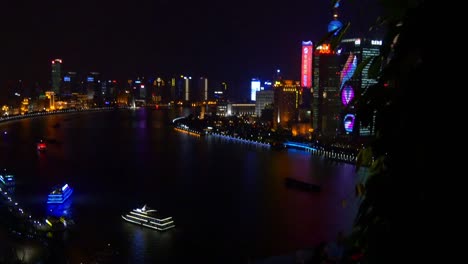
228	199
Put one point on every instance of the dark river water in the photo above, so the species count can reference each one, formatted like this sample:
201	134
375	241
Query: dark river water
228	198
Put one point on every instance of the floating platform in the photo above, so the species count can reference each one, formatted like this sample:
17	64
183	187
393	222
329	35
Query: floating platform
301	185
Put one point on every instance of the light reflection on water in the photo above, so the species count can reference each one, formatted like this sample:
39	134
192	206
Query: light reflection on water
228	200
144	242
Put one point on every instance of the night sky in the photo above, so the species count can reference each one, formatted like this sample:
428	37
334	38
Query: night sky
231	41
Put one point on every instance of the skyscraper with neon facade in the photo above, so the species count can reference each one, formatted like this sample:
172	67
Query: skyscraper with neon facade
306	75
355	51
326	102
306	64
336	86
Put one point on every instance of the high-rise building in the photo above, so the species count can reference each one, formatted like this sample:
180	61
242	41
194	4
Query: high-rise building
325	86
158	91
56	75
306	74
326	103
335	84
173	90
264	98
306	64
183	89
71	84
203	89
354	52
186	89
286	102
363	49
254	88
138	88
109	91
335	25
142	90
220	92
94	88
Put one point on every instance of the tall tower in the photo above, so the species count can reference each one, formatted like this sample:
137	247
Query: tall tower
56	75
326	104
306	65
335	24
187	88
326	99
203	90
306	74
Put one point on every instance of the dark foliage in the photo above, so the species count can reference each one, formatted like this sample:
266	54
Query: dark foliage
393	221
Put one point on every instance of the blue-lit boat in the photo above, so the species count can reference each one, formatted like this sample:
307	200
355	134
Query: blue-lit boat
8	180
60	209
59	194
149	218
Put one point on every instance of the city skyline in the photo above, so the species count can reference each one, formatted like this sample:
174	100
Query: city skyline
232	42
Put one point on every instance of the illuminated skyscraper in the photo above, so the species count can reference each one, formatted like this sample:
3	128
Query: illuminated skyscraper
254	88
172	90
335	84
286	101
183	89
326	103
56	75
362	49
355	51
70	84
220	92
335	25
306	75
186	85
203	90
306	64
93	88
159	91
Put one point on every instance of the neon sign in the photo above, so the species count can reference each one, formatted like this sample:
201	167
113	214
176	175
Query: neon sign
347	94
306	65
348	122
324	49
348	69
